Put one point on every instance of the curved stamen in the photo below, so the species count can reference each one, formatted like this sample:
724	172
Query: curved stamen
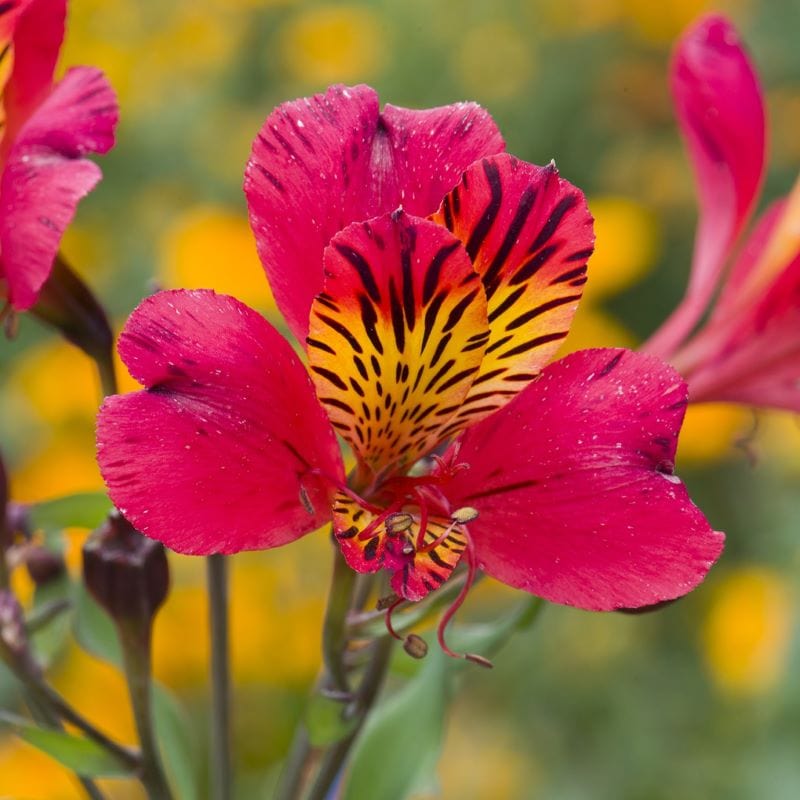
450	613
388	618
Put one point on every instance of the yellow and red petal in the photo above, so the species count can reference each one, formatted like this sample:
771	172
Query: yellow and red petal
397	336
529	234
368	546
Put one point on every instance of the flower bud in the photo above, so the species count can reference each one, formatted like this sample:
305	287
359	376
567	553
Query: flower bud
126	572
66	303
44	565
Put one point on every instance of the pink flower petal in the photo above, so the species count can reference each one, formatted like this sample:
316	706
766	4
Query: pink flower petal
211	457
750	353
720	108
322	162
46	175
574	487
38	34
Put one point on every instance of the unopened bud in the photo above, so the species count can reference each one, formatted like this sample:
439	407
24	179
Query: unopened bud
479	660
464	515
12	625
44	565
66	303
415	646
386	602
399	522
126	572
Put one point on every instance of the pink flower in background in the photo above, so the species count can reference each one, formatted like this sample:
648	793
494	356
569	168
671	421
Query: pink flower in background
748	351
427	330
48	128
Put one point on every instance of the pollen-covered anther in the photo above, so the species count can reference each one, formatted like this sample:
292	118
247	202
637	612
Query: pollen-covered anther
479	660
386	602
464	515
398	522
415	646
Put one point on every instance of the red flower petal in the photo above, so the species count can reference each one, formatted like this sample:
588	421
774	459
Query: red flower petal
529	235
46	175
574	487
210	458
322	162
720	109
397	336
37	38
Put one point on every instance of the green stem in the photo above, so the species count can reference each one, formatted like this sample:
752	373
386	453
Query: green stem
106	373
44	715
135	639
221	763
295	766
333	761
334	629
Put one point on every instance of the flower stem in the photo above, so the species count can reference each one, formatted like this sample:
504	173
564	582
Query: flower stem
334	630
135	640
106	373
333	761
221	766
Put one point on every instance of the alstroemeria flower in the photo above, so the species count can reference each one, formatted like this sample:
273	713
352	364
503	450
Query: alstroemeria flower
428	328
47	130
749	349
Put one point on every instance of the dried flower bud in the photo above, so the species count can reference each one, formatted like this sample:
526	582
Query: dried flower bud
415	646
44	565
464	515
126	572
12	625
481	661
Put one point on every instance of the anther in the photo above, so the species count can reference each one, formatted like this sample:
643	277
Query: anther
479	660
398	522
415	646
386	602
464	515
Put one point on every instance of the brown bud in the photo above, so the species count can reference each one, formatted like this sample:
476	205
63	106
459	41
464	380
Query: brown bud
415	646
126	572
44	565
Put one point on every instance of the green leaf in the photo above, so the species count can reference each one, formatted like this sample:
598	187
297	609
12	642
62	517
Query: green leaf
397	751
49	639
324	722
177	744
84	510
402	738
76	753
94	629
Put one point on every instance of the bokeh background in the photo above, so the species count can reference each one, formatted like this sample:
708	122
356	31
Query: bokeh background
699	700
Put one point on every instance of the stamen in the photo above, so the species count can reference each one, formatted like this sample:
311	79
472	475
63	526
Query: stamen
450	613
398	522
464	515
438	540
388	619
369	531
343	488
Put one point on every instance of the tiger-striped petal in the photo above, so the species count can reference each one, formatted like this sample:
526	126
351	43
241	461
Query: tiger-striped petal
323	162
369	547
529	234
396	337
